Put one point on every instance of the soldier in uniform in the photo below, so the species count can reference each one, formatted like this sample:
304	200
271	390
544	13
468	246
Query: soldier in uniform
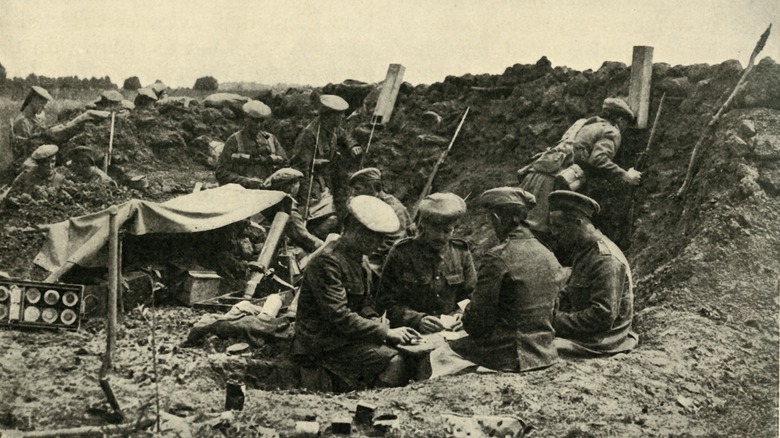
596	306
335	158
586	150
42	174
368	181
509	318
82	169
251	154
145	98
338	327
426	276
288	180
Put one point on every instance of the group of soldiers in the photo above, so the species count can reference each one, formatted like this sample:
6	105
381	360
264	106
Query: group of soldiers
388	281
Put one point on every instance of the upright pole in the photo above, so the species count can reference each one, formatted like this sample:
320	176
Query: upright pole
113	284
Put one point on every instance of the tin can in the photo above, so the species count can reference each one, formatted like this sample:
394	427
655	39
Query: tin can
272	305
235	395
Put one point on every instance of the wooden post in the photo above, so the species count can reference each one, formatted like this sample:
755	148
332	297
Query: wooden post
113	285
386	101
639	90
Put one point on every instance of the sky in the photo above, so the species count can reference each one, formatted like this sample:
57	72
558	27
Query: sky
317	42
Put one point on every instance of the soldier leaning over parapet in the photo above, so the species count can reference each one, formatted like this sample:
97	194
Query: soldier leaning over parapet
251	155
585	150
81	168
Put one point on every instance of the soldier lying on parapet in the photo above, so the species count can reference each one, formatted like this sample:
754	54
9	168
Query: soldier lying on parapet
42	174
251	155
596	306
509	318
368	181
145	98
586	149
426	276
288	180
338	327
29	127
81	168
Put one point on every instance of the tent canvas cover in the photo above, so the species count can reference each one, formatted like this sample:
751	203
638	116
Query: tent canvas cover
79	240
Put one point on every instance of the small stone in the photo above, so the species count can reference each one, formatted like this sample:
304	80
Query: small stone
747	129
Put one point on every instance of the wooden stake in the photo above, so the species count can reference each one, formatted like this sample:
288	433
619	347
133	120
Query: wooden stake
639	89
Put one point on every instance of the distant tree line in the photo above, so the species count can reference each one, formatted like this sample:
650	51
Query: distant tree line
19	86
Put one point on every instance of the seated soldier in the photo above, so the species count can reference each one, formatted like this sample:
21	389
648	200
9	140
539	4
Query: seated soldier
42	174
81	168
596	306
338	327
426	276
251	154
288	180
509	318
368	181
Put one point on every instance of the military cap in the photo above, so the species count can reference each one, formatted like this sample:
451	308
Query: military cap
565	200
256	109
112	96
333	102
158	87
284	175
45	151
617	106
85	151
374	214
146	92
40	91
507	197
367	174
442	207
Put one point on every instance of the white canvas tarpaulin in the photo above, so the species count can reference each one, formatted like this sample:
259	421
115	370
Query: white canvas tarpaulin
79	240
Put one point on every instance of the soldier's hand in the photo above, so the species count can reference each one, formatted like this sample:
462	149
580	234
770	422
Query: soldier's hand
402	335
633	177
458	325
431	324
255	183
276	159
357	151
320	162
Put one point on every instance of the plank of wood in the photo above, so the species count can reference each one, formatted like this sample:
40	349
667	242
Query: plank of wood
639	89
386	101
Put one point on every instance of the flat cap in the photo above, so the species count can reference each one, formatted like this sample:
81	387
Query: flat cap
367	174
146	92
374	214
40	91
333	102
256	109
442	207
284	175
507	197
112	96
617	106
45	151
565	200
85	151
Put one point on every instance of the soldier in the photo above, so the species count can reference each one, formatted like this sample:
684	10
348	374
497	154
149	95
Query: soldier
509	318
110	100
42	174
426	276
336	153
251	154
82	169
289	181
368	181
30	126
597	304
586	149
338	327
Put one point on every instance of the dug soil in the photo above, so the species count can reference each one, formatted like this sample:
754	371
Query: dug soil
705	264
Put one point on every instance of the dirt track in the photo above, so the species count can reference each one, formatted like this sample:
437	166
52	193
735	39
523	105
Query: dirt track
705	266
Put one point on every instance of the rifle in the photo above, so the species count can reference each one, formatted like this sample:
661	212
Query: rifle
107	159
311	176
427	188
368	146
714	121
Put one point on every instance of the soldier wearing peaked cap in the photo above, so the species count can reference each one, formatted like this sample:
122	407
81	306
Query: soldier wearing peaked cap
251	155
145	98
596	306
587	149
288	180
369	182
509	318
325	145
426	276
42	174
82	169
338	327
